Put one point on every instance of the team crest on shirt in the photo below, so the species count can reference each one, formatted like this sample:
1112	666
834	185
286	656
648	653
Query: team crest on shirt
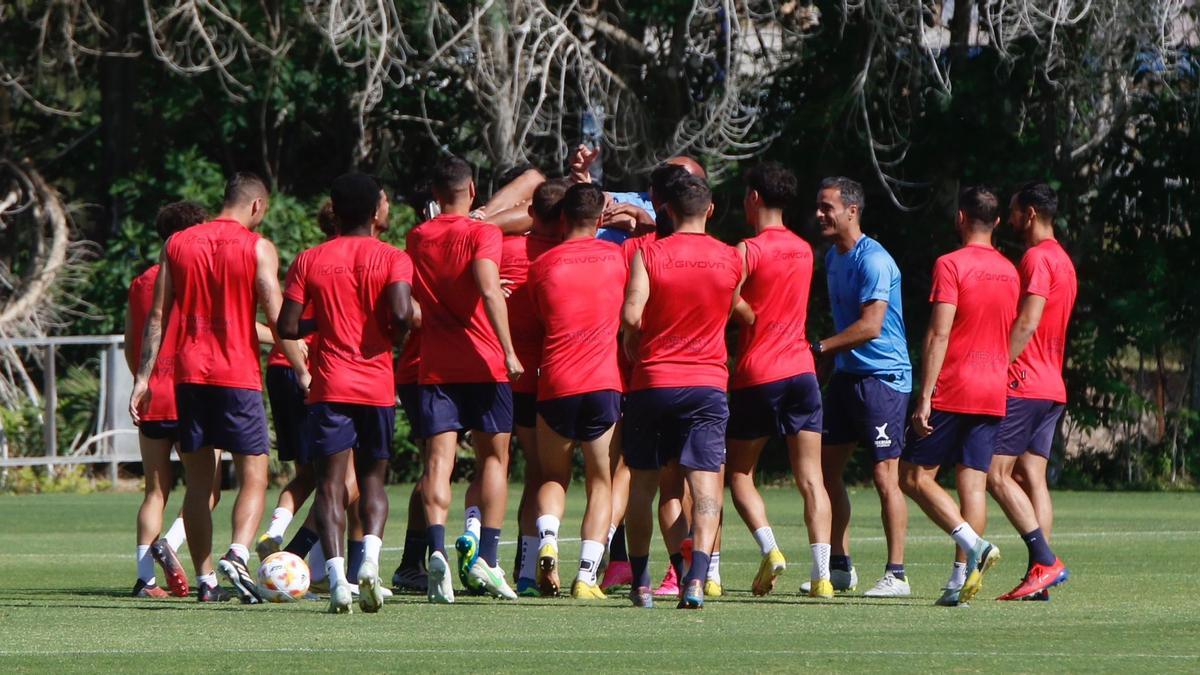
881	437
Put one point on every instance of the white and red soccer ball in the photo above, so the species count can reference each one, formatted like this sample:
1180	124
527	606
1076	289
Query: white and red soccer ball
283	577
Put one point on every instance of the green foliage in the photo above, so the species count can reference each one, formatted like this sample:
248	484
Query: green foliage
29	480
22	428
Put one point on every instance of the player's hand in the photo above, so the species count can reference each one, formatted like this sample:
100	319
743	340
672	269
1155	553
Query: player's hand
920	417
303	344
513	365
506	287
140	396
304	379
626	217
580	164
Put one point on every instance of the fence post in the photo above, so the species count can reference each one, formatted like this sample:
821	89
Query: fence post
50	386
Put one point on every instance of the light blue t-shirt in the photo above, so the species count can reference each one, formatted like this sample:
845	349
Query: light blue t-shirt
864	273
639	199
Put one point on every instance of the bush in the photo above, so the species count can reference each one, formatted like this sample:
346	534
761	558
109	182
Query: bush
58	479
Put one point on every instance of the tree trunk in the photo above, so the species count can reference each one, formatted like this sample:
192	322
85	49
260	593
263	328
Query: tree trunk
116	112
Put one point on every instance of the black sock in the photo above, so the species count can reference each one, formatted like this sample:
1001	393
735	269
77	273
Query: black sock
616	550
413	556
640	565
1039	548
302	542
897	570
677	563
436	534
839	562
489	545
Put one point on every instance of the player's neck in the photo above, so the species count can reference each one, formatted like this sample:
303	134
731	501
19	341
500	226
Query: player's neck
691	226
364	231
846	241
544	230
580	233
975	237
1039	232
459	207
768	219
235	215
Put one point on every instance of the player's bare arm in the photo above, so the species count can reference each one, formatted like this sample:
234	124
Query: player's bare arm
400	306
742	311
160	311
1028	319
937	338
867	328
487	279
637	293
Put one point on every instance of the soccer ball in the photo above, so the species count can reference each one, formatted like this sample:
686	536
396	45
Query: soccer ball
283	577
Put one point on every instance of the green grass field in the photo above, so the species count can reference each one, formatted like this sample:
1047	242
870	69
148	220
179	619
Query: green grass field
1133	604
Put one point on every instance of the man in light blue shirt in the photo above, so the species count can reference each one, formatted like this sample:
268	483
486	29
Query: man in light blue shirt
866	401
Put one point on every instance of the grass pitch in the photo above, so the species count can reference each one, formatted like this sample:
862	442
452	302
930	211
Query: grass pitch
1132	604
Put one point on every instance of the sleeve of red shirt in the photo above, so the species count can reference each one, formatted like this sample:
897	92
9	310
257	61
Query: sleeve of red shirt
489	243
1035	274
945	283
751	257
294	286
401	268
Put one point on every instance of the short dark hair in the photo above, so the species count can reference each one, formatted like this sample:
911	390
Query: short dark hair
178	216
849	190
547	197
775	185
979	204
661	177
450	175
1040	196
689	196
326	219
355	198
582	204
244	186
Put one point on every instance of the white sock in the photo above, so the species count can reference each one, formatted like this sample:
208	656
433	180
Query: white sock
241	552
714	567
958	576
316	562
474	521
765	538
335	569
145	565
177	535
529	546
612	530
965	537
280	519
590	553
547	527
820	563
371	547
209	579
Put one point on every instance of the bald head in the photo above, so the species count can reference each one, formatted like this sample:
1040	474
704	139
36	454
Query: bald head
688	164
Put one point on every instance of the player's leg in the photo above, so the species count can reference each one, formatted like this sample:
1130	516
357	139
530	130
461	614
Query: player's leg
330	509
742	460
375	426
410	575
355	547
595	428
704	417
1030	471
834	459
712	585
156	466
288	411
707	494
197	518
618	572
804	451
436	495
642	449
672	523
554	458
884	413
525	565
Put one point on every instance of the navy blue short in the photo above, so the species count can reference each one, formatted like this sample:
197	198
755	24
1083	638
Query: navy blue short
486	407
525	410
582	417
864	409
781	408
957	438
669	423
227	418
1028	426
365	429
160	430
288	412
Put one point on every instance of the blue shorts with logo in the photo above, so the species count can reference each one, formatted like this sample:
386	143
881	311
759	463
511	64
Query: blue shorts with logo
1028	426
336	427
582	417
485	406
957	438
525	410
288	412
781	408
227	418
669	423
160	430
863	409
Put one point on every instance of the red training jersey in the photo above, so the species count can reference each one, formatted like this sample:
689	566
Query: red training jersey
779	268
516	254
682	342
161	406
458	344
344	281
629	248
408	364
577	290
1047	271
983	286
212	269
